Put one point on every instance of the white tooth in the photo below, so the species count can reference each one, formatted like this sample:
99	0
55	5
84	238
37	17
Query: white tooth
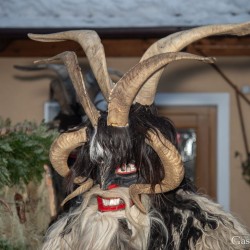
112	202
128	169
133	167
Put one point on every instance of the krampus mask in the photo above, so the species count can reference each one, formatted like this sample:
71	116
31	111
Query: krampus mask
131	176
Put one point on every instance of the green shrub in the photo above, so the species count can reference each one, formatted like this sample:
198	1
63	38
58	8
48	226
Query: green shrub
24	149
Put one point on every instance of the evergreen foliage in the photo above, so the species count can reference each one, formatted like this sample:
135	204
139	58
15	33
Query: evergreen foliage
24	149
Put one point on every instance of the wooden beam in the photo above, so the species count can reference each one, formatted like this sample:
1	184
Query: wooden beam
219	46
104	33
229	46
113	48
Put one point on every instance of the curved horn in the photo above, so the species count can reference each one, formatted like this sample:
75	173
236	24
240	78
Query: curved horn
59	153
124	92
173	168
63	146
80	190
177	42
69	58
93	48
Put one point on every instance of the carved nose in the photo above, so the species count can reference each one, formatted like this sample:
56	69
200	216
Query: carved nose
111	186
108	186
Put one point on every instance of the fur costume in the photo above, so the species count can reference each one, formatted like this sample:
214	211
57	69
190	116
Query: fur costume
128	170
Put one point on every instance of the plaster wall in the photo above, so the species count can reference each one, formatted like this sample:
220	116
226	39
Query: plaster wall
22	100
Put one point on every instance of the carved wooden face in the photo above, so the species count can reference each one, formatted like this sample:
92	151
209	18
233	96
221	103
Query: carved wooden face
139	157
108	178
122	176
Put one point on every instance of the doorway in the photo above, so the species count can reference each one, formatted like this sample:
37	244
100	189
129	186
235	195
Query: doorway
221	102
196	128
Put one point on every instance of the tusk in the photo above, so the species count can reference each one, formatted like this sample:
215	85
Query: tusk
80	190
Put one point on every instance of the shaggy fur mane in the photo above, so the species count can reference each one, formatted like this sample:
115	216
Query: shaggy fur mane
179	219
114	146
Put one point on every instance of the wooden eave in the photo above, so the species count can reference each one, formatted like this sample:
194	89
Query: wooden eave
124	42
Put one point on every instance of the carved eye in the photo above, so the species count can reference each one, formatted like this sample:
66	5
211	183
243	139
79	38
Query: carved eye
126	169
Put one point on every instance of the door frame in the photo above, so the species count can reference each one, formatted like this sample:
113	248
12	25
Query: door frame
222	102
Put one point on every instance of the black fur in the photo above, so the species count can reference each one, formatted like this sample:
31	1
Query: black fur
128	145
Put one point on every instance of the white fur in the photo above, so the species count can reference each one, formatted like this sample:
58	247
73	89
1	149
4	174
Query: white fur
221	237
95	148
90	229
94	230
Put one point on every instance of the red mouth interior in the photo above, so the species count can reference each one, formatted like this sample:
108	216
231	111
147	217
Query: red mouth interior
110	204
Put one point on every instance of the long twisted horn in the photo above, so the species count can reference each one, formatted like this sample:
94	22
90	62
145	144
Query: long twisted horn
177	42
124	92
173	168
93	48
70	60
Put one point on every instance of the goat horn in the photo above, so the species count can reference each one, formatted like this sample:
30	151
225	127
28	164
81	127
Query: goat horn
70	60
93	48
177	42
124	92
173	168
63	146
80	190
59	153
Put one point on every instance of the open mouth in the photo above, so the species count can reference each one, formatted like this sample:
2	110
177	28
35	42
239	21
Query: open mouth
126	169
110	204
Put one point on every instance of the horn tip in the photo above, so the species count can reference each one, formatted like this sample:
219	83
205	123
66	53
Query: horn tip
63	202
211	59
135	198
33	36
